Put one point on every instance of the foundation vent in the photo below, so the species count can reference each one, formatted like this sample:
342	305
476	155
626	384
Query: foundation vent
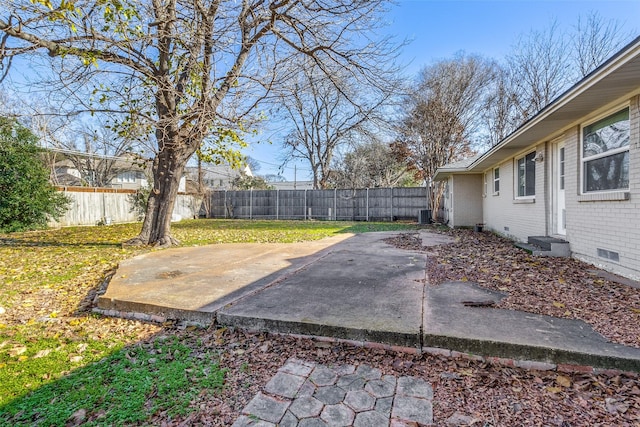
610	255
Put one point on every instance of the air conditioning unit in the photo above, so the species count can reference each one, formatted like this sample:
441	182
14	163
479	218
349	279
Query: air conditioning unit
425	216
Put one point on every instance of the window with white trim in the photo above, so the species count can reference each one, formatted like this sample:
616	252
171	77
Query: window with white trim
496	181
605	153
527	175
485	191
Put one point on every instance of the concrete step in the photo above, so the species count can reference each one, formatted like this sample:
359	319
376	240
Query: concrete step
546	246
544	242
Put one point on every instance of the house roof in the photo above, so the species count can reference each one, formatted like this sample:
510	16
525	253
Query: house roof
123	162
613	82
459	166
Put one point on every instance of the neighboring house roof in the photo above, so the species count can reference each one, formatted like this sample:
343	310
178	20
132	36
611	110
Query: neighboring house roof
291	185
607	85
213	174
67	179
124	162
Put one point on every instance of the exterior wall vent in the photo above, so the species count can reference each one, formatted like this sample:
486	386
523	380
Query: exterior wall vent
610	255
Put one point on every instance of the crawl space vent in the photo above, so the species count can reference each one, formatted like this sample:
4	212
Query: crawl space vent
610	255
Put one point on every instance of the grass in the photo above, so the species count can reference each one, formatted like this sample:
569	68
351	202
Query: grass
127	386
58	361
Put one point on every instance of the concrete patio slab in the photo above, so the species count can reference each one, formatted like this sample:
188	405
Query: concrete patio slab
448	323
364	289
353	287
192	283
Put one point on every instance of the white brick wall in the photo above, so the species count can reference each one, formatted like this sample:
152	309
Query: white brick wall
610	225
512	217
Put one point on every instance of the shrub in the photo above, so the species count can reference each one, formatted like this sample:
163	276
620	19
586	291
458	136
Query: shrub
27	199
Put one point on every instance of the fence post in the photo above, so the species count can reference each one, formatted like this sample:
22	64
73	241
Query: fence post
391	204
251	203
104	209
305	204
367	211
277	204
335	204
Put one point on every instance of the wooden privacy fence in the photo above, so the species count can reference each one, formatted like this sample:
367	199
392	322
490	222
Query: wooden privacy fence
372	204
91	206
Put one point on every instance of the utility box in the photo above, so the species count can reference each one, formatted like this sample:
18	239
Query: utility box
425	216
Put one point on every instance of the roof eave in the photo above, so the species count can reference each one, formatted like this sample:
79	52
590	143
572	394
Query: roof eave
628	56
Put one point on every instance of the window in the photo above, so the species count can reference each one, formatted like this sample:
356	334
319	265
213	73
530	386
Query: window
486	184
127	177
527	175
496	181
605	153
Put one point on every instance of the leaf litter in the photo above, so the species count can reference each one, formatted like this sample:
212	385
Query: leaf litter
559	287
465	391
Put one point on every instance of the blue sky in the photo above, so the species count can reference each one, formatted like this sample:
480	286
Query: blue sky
440	29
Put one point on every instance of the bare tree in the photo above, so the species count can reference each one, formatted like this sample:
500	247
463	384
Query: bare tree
539	69
543	64
325	112
442	115
371	165
500	114
271	177
184	70
595	39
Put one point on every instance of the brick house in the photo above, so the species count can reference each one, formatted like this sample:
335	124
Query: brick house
571	173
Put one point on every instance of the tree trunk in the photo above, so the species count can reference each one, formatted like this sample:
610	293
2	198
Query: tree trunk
168	166
437	191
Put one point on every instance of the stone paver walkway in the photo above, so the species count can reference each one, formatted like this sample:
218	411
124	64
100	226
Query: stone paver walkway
306	394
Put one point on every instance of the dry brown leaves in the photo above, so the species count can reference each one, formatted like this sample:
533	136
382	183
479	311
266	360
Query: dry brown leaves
490	395
560	287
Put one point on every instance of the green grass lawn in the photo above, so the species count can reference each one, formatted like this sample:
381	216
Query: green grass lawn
60	362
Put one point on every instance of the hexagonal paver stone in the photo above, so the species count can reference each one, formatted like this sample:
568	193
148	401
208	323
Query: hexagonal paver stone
384	405
312	422
323	376
306	407
343	370
380	388
244	421
285	385
307	389
289	420
416	387
330	395
338	415
390	379
369	373
351	382
266	408
412	409
297	367
359	401
371	418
